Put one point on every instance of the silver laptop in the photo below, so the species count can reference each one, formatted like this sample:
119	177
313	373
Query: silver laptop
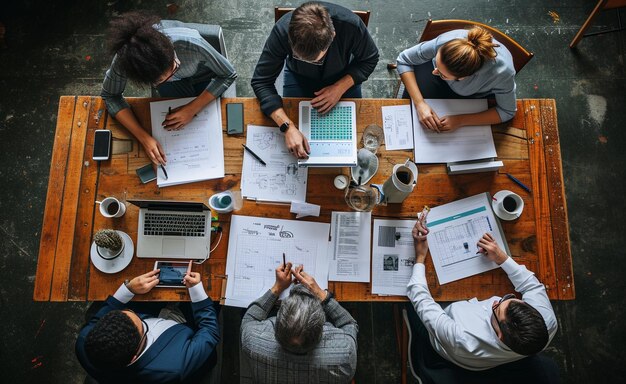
332	137
173	229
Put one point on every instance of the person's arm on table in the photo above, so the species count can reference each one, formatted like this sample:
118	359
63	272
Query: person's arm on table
419	54
434	318
204	341
112	93
532	290
225	75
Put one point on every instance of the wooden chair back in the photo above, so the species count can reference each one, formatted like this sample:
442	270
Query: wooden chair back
435	28
281	11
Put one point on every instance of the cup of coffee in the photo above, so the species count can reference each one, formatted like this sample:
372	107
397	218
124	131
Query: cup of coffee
507	205
112	207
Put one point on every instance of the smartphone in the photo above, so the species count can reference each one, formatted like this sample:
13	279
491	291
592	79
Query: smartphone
171	274
146	173
102	145
234	115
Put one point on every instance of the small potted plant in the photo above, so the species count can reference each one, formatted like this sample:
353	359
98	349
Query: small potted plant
109	243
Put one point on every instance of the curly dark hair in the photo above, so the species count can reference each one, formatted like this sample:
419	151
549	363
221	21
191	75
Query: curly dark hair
143	53
113	341
524	329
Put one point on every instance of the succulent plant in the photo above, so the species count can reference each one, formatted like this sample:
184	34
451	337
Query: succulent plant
108	238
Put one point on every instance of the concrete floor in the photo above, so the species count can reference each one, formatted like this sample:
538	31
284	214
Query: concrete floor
57	48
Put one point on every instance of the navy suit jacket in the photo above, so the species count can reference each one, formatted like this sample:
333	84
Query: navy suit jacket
180	354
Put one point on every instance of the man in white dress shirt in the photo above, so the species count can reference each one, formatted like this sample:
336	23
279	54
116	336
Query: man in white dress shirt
479	335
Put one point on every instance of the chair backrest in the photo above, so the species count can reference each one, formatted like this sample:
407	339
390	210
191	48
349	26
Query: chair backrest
435	28
211	33
281	11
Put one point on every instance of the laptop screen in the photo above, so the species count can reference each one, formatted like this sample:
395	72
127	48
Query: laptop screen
164	205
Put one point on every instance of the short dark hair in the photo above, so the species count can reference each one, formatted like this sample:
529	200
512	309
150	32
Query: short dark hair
523	329
311	30
300	321
143	53
113	341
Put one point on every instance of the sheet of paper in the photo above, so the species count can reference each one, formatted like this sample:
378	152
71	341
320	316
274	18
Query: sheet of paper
398	127
255	249
194	153
465	143
393	256
350	255
302	209
454	231
281	180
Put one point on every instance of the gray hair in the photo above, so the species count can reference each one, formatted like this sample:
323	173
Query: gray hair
300	321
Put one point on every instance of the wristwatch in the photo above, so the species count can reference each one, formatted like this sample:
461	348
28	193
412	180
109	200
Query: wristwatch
328	297
284	126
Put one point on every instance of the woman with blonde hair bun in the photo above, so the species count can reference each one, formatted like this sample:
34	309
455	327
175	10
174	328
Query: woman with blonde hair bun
459	64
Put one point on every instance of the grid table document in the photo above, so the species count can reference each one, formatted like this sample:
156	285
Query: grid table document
335	125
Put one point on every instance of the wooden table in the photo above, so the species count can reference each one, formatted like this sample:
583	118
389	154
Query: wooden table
528	145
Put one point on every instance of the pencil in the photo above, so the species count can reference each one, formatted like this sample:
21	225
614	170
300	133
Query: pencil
516	181
254	154
284	262
164	171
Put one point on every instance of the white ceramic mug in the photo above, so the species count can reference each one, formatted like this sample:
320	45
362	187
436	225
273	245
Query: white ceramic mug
508	205
112	207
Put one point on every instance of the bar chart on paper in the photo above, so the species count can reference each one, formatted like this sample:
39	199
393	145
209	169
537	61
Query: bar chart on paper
455	229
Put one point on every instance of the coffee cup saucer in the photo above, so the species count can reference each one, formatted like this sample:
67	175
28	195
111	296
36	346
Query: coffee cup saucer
499	211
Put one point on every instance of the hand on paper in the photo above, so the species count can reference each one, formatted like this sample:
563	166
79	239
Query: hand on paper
428	116
297	143
309	282
326	98
144	283
283	278
191	279
154	150
487	246
451	123
420	241
178	118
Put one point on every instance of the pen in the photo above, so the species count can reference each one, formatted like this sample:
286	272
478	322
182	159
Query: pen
284	262
164	171
254	154
516	181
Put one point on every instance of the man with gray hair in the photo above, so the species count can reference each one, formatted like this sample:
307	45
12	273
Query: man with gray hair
312	339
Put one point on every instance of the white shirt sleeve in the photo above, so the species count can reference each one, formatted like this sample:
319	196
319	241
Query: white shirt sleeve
439	325
533	292
197	293
123	294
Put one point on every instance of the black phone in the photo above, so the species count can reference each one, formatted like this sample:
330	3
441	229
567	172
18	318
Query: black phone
146	173
102	145
171	274
234	115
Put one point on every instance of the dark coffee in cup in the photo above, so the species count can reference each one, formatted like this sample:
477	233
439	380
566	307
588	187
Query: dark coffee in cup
113	208
509	204
404	177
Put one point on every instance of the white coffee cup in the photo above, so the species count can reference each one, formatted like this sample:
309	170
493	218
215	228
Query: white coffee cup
112	207
507	205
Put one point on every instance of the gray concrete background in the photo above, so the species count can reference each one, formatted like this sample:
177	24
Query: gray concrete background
57	48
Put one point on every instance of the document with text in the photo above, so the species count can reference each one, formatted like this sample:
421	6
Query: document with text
393	256
193	153
255	249
398	127
350	244
465	143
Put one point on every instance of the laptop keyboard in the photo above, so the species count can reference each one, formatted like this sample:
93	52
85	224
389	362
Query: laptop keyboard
174	224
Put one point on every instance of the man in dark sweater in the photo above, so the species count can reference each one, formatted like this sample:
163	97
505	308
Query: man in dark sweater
328	53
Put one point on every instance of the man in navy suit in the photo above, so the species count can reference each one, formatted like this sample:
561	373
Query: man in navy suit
120	345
